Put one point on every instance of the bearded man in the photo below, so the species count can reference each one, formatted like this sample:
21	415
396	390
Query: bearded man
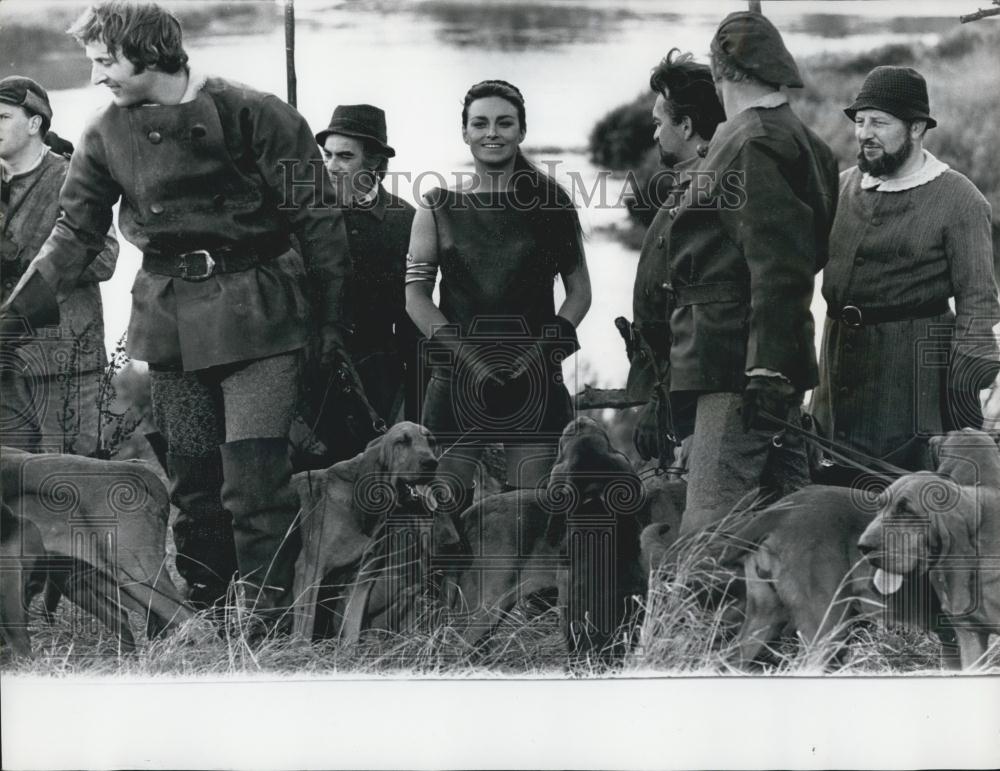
897	364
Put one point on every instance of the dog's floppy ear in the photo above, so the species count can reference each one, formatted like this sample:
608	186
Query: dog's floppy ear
347	541
953	537
339	515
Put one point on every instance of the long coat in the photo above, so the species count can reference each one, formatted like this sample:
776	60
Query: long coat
744	251
885	385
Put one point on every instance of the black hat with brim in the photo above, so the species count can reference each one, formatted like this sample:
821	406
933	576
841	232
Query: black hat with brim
362	121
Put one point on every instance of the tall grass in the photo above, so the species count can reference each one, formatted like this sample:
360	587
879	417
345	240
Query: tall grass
683	629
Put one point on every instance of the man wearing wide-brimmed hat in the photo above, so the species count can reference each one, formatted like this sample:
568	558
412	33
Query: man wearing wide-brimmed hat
744	250
356	152
897	364
49	391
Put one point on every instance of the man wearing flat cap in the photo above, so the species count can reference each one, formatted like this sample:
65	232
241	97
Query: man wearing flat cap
356	153
744	249
49	389
897	364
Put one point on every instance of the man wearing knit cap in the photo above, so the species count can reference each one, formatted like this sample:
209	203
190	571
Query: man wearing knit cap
897	364
49	388
744	250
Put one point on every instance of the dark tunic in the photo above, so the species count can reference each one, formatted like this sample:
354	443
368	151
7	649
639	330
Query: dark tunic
498	263
744	251
652	295
200	175
383	344
882	386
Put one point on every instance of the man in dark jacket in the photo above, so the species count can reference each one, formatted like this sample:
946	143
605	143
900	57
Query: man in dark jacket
49	391
200	167
685	113
744	250
356	151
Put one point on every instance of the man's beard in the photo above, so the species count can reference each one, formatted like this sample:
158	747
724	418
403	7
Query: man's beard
887	163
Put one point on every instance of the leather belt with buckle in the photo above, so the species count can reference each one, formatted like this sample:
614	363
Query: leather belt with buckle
196	265
200	264
856	317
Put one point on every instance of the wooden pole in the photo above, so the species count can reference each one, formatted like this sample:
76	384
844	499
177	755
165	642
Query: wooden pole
981	13
290	52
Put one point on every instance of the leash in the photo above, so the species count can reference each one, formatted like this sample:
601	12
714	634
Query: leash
838	451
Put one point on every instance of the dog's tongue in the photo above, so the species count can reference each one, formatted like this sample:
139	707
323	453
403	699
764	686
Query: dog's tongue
430	500
887	583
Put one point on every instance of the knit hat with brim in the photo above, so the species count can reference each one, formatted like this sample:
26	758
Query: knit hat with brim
899	91
754	43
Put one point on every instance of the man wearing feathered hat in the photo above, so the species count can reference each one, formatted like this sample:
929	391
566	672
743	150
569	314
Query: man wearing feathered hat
897	364
744	250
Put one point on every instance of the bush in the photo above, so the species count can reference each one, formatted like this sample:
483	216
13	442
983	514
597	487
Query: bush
623	137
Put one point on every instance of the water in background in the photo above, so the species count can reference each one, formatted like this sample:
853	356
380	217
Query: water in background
573	60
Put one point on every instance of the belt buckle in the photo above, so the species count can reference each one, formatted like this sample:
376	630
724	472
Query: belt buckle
187	272
851	316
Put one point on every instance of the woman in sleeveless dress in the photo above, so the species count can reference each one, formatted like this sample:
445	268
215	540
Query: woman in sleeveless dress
495	343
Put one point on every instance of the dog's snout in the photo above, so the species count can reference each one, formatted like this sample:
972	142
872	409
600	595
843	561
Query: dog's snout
865	548
429	464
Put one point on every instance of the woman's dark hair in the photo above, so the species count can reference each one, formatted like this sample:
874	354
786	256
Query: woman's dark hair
533	188
144	33
689	92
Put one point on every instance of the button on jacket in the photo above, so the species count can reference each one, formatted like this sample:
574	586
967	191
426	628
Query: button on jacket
744	251
199	175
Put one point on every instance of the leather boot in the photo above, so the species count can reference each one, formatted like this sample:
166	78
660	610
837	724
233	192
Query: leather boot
203	531
257	490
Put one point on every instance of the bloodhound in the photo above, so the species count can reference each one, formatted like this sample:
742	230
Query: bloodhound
967	457
802	557
931	526
801	566
575	540
365	521
103	525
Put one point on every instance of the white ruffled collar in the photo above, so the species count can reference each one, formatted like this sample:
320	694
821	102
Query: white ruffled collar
931	169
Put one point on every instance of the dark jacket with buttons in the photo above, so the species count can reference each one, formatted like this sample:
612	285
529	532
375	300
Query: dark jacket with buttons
29	207
383	342
744	250
199	175
652	296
